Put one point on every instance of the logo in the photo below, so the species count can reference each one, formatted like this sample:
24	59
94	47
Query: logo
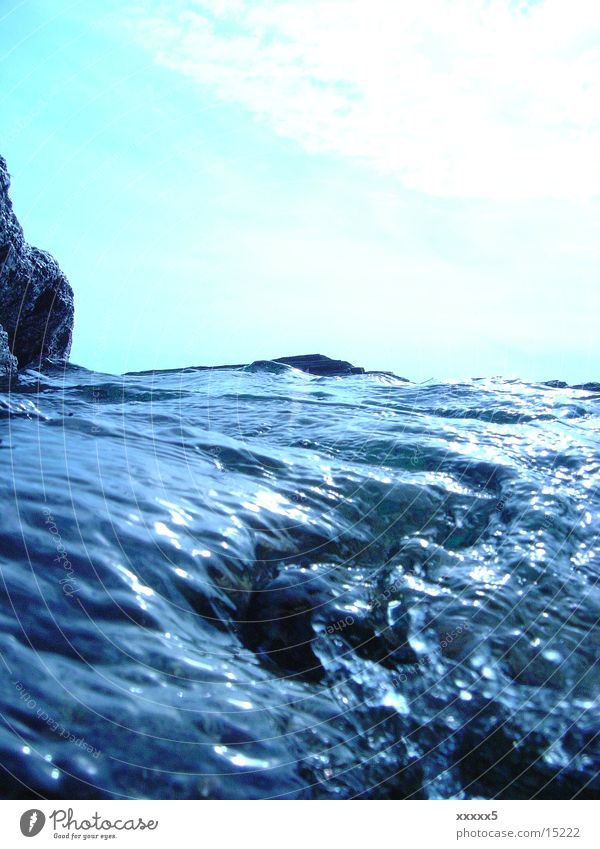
32	822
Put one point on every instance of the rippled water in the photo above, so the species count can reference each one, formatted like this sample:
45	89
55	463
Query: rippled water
259	583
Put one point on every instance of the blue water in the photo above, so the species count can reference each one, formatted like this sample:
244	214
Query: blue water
258	583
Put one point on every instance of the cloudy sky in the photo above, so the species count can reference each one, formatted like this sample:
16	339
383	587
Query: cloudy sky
412	186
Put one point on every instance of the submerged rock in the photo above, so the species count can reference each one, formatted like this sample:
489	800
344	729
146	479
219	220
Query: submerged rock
36	300
279	624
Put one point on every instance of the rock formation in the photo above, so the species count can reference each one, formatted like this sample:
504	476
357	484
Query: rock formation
36	300
311	363
318	364
8	362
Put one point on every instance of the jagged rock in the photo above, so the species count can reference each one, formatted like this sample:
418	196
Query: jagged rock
8	363
36	300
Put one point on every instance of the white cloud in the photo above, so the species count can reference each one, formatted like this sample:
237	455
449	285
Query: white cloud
469	98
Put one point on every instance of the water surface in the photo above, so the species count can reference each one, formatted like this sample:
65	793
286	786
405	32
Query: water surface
258	583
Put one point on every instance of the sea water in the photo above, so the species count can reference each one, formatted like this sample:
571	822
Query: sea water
257	583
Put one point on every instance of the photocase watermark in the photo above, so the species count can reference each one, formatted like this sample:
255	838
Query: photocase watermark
95	411
386	594
416	455
377	601
450	636
411	669
338	626
57	727
66	820
546	524
32	822
68	580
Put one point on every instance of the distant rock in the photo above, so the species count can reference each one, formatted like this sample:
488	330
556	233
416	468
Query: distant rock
316	364
560	384
589	387
323	366
556	384
310	363
36	300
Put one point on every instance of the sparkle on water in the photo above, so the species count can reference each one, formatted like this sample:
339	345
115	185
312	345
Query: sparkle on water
258	583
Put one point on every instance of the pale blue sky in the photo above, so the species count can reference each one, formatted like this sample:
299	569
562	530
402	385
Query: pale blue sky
409	186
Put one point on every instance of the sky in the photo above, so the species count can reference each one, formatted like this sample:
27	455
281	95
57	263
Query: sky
409	186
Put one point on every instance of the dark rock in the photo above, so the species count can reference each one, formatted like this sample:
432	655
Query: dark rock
560	384
8	363
316	364
388	647
279	624
320	365
310	363
589	387
36	301
495	764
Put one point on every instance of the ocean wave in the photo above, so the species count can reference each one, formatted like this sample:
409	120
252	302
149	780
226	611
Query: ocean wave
258	583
